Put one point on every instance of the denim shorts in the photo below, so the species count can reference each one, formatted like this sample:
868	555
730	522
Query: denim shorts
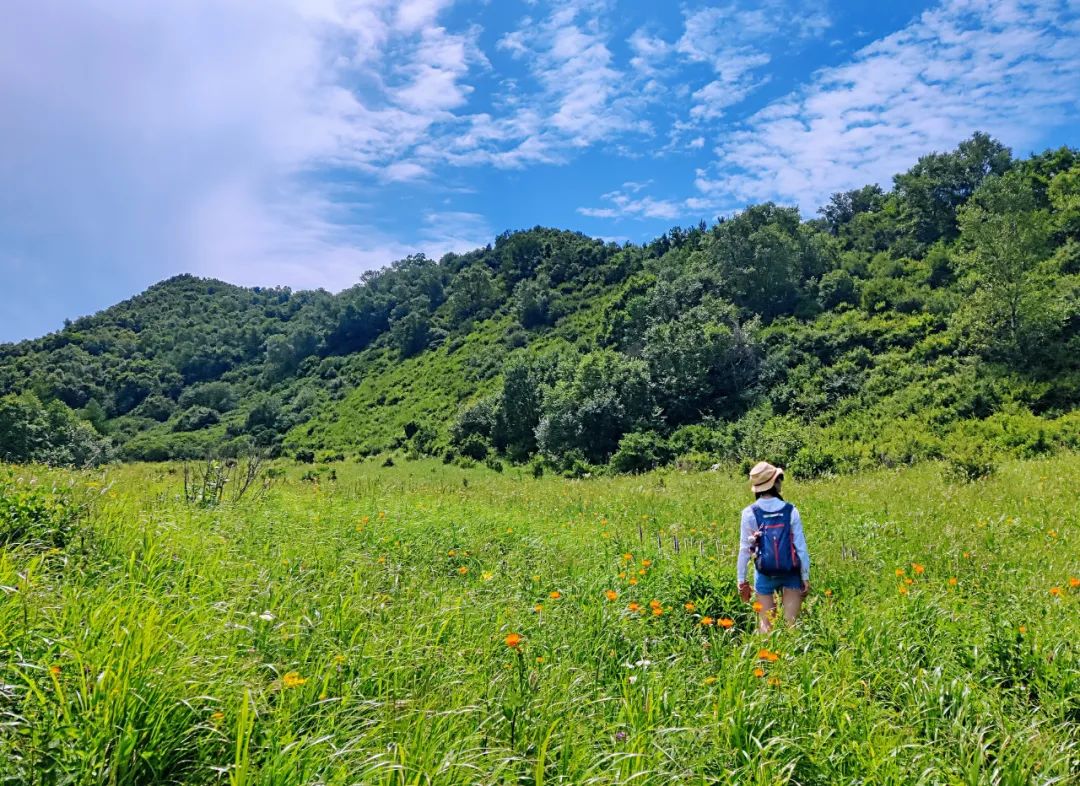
767	585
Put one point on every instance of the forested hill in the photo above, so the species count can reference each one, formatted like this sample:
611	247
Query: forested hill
938	319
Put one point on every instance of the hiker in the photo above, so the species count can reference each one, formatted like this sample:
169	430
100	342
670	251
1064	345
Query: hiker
772	533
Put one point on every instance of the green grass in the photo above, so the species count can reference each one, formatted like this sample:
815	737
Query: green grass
326	634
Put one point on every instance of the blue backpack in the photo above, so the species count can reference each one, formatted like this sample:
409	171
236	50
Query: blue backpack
774	552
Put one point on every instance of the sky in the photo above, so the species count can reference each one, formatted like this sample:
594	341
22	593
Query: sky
301	142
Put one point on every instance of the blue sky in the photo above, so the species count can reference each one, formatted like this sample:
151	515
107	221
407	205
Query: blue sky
300	142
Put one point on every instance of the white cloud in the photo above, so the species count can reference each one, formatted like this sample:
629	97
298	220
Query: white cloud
1008	68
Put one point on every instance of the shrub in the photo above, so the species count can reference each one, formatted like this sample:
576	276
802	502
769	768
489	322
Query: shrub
969	460
34	515
475	447
494	464
305	456
639	452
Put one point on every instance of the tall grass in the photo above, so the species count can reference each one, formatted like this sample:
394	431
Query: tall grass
354	632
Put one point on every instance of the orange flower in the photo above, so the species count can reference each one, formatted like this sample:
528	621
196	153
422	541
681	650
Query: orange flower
769	655
538	607
292	679
646	563
1052	533
554	594
706	621
828	593
657	611
1023	629
622	574
654	603
725	622
757	606
899	571
540	659
1055	591
1074	582
759	672
217	717
909	582
919	569
903	590
54	670
967	555
952	581
632	581
642	572
611	594
689	606
513	640
635	607
627	557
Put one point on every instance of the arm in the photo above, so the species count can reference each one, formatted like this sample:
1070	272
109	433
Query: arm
800	544
746	529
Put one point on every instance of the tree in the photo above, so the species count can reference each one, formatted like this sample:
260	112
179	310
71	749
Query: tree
1005	238
845	205
410	333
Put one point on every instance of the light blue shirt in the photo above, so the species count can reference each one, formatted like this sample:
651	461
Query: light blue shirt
749	526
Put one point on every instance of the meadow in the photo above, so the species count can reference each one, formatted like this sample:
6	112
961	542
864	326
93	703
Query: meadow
428	624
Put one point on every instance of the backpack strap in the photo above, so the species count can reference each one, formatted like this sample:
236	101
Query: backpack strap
758	513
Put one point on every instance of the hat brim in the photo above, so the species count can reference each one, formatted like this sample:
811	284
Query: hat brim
768	484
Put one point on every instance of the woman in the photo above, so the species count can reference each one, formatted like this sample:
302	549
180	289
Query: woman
772	532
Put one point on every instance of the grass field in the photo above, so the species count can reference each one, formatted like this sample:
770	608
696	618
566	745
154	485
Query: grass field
356	632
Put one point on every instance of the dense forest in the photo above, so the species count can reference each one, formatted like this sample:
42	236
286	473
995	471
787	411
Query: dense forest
936	320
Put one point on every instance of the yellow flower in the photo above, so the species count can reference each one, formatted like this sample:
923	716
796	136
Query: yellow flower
217	717
540	659
710	680
1052	533
919	569
654	603
554	594
627	557
757	606
689	606
381	560
645	563
632	581
339	660
967	555
903	591
706	621
611	594
487	575
774	681
1055	591
1023	629
463	570
899	571
536	577
452	553
759	672
953	581
54	670
642	572
292	679
365	519
622	574
828	593
513	640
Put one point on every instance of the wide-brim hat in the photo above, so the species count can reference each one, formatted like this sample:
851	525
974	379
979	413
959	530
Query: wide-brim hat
764	476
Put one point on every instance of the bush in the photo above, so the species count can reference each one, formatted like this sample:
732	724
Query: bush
35	516
305	456
195	418
475	447
494	464
640	452
968	461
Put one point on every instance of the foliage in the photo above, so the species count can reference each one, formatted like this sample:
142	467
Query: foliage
32	432
35	514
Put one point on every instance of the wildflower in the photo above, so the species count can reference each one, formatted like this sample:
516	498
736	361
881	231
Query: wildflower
1052	533
554	594
611	595
774	681
509	530
54	670
365	519
725	622
513	640
657	611
1055	591
620	736
909	582
536	577
487	575
217	717
759	672
339	660
635	607
645	563
642	572
382	514
769	655
381	560
828	593
292	679
632	581
757	606
539	607
632	679
953	581
706	621
710	680
463	570
622	574
689	606
1074	582
627	557
919	569
540	659
899	571
903	591
1023	629
967	555
654	603
452	553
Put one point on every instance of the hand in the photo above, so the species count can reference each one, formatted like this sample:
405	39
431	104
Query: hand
805	588
744	591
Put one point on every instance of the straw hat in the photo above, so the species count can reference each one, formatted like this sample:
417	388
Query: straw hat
764	476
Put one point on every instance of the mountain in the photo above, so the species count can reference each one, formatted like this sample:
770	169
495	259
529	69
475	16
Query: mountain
937	319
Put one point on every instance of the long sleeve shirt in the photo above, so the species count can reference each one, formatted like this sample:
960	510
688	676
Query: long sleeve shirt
749	525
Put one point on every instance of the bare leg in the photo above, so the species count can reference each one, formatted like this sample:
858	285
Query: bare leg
792	604
767	612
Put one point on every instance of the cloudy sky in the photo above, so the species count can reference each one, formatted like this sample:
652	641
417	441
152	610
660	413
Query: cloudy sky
301	142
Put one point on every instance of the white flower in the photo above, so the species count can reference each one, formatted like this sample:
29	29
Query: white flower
266	616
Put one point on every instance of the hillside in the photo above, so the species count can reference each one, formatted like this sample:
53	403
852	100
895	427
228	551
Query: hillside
937	319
